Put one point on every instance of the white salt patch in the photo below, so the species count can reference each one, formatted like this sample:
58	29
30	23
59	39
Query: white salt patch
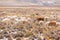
17	19
1	30
35	39
25	38
5	19
12	16
41	22
14	39
58	22
47	22
5	38
1	39
29	18
42	37
14	32
46	18
23	19
9	16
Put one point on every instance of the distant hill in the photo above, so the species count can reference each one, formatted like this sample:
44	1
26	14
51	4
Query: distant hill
29	2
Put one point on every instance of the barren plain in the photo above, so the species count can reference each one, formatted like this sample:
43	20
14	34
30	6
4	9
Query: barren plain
29	23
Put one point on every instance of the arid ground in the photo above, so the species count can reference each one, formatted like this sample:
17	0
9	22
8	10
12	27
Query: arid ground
29	23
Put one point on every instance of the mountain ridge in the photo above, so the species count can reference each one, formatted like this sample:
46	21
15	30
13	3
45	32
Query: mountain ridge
29	2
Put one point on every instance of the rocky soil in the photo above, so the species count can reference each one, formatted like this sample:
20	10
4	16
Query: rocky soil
29	24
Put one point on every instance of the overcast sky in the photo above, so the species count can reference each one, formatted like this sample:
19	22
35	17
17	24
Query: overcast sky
29	2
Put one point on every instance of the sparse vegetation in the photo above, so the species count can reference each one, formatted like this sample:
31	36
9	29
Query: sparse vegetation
26	22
